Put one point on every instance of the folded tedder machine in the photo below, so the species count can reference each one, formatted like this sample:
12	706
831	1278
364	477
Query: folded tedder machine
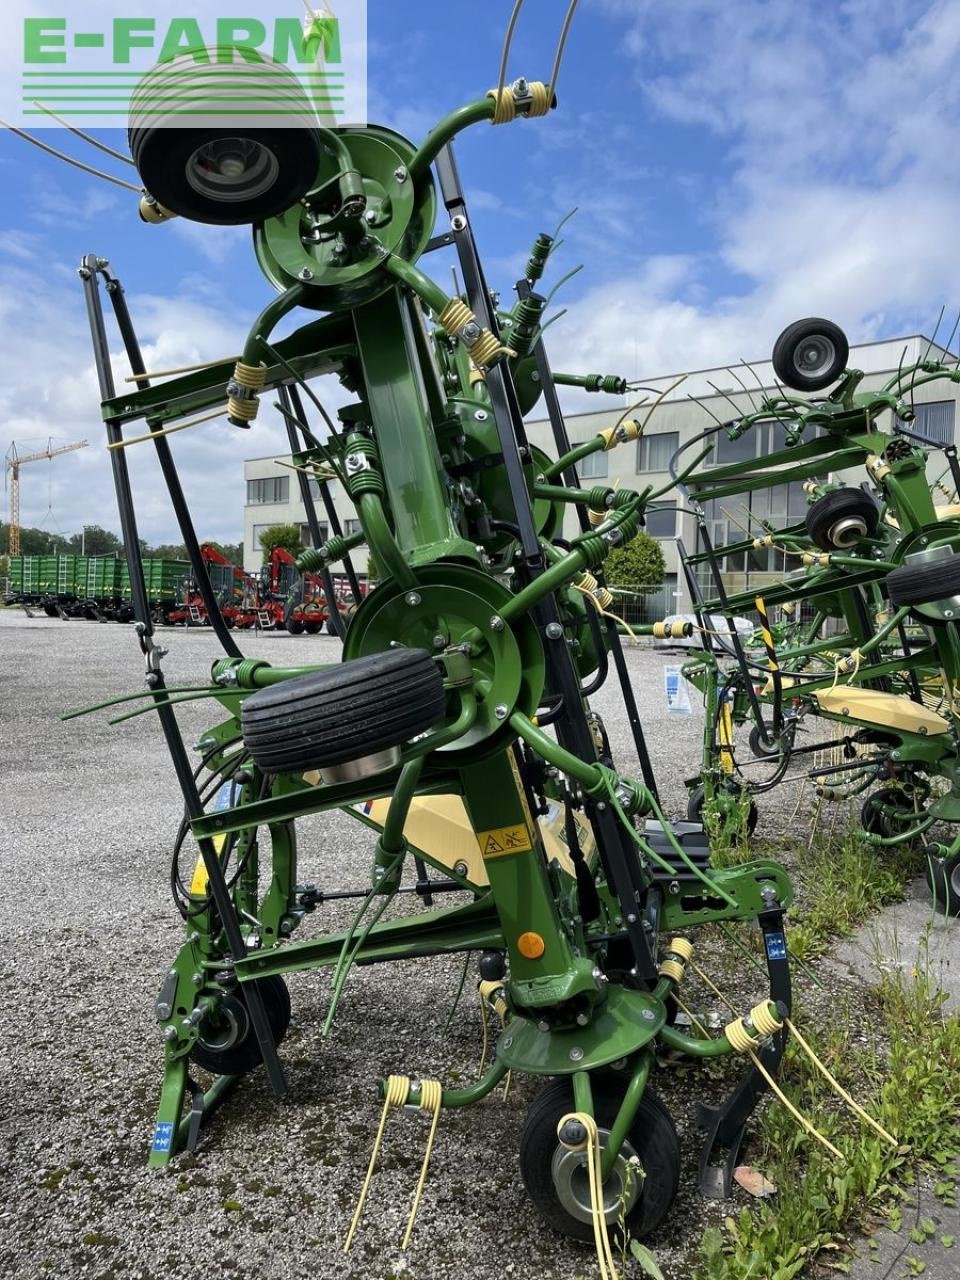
458	725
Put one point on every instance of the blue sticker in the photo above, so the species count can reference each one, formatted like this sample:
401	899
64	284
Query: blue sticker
776	946
162	1136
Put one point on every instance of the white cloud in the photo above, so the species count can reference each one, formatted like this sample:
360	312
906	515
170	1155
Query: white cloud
834	127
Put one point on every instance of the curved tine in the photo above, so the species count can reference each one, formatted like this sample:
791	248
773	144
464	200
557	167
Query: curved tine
762	389
953	334
630	408
94	142
660	399
747	393
738	408
302	384
558	58
694	400
936	330
560	283
77	164
562	223
552	320
507	41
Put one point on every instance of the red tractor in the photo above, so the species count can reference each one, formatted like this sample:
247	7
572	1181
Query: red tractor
288	599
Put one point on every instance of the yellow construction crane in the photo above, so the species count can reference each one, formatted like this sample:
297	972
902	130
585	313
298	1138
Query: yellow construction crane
14	461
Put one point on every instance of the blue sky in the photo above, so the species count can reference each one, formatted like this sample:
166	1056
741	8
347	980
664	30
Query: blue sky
735	166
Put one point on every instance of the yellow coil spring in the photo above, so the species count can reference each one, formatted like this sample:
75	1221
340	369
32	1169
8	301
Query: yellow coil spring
812	558
486	349
622	433
540	98
506	105
491	992
764	1023
672	969
683	948
789	608
597	517
877	467
810	486
766	541
477	375
455	315
253	377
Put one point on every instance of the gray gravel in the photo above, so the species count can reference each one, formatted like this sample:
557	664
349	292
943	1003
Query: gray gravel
88	929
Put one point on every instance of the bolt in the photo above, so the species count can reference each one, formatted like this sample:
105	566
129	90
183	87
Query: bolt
554	631
170	1035
370	215
439	641
543	1025
507	1041
948	613
500	710
631	919
648	1014
497	623
576	1053
400	174
583	1019
306	274
458	223
481	415
163	1011
460	868
412	598
197	979
601	807
534	376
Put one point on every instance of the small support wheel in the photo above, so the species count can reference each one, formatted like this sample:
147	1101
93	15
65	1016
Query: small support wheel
556	1179
841	518
697	802
810	354
943	880
227	1044
764	750
876	818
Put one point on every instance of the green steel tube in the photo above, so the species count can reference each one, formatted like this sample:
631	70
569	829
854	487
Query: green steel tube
391	838
575	455
267	321
582	1092
606	382
860	562
421	284
558	575
884	631
458	1097
560	493
625	1116
903	837
382	543
545	747
693	1046
448	128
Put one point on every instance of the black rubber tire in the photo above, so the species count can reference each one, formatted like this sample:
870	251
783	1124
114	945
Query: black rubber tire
289	157
877	823
652	1136
943	879
345	712
924	583
295	626
788	361
51	611
841	504
245	1054
697	799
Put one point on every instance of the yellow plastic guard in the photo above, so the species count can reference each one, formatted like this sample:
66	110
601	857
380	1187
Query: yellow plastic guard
886	710
438	826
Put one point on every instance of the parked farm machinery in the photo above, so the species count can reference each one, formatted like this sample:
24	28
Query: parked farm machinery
458	725
867	636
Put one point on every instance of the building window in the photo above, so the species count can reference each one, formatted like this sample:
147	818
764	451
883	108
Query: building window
306	540
257	531
270	489
662	520
350	527
934	421
654	452
594	466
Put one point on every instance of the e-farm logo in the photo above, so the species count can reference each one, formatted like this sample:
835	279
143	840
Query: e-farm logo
99	66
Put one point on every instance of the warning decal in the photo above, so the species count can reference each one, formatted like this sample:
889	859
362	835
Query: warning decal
504	840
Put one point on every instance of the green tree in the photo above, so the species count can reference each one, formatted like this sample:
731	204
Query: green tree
281	535
169	551
33	542
94	541
638	565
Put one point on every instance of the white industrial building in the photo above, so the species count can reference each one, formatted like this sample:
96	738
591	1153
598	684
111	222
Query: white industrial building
704	395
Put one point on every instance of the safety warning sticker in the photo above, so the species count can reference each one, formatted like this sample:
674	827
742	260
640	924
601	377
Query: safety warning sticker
500	841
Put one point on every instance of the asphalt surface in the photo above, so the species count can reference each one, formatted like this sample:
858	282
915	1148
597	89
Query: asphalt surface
88	930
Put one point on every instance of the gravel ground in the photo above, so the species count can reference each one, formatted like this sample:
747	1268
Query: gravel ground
89	929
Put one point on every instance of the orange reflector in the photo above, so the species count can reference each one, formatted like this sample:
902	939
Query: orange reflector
531	946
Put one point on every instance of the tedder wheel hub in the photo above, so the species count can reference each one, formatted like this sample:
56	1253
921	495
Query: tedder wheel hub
621	1190
452	604
227	1045
555	1178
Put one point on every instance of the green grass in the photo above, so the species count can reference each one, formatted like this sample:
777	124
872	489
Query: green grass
913	1089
